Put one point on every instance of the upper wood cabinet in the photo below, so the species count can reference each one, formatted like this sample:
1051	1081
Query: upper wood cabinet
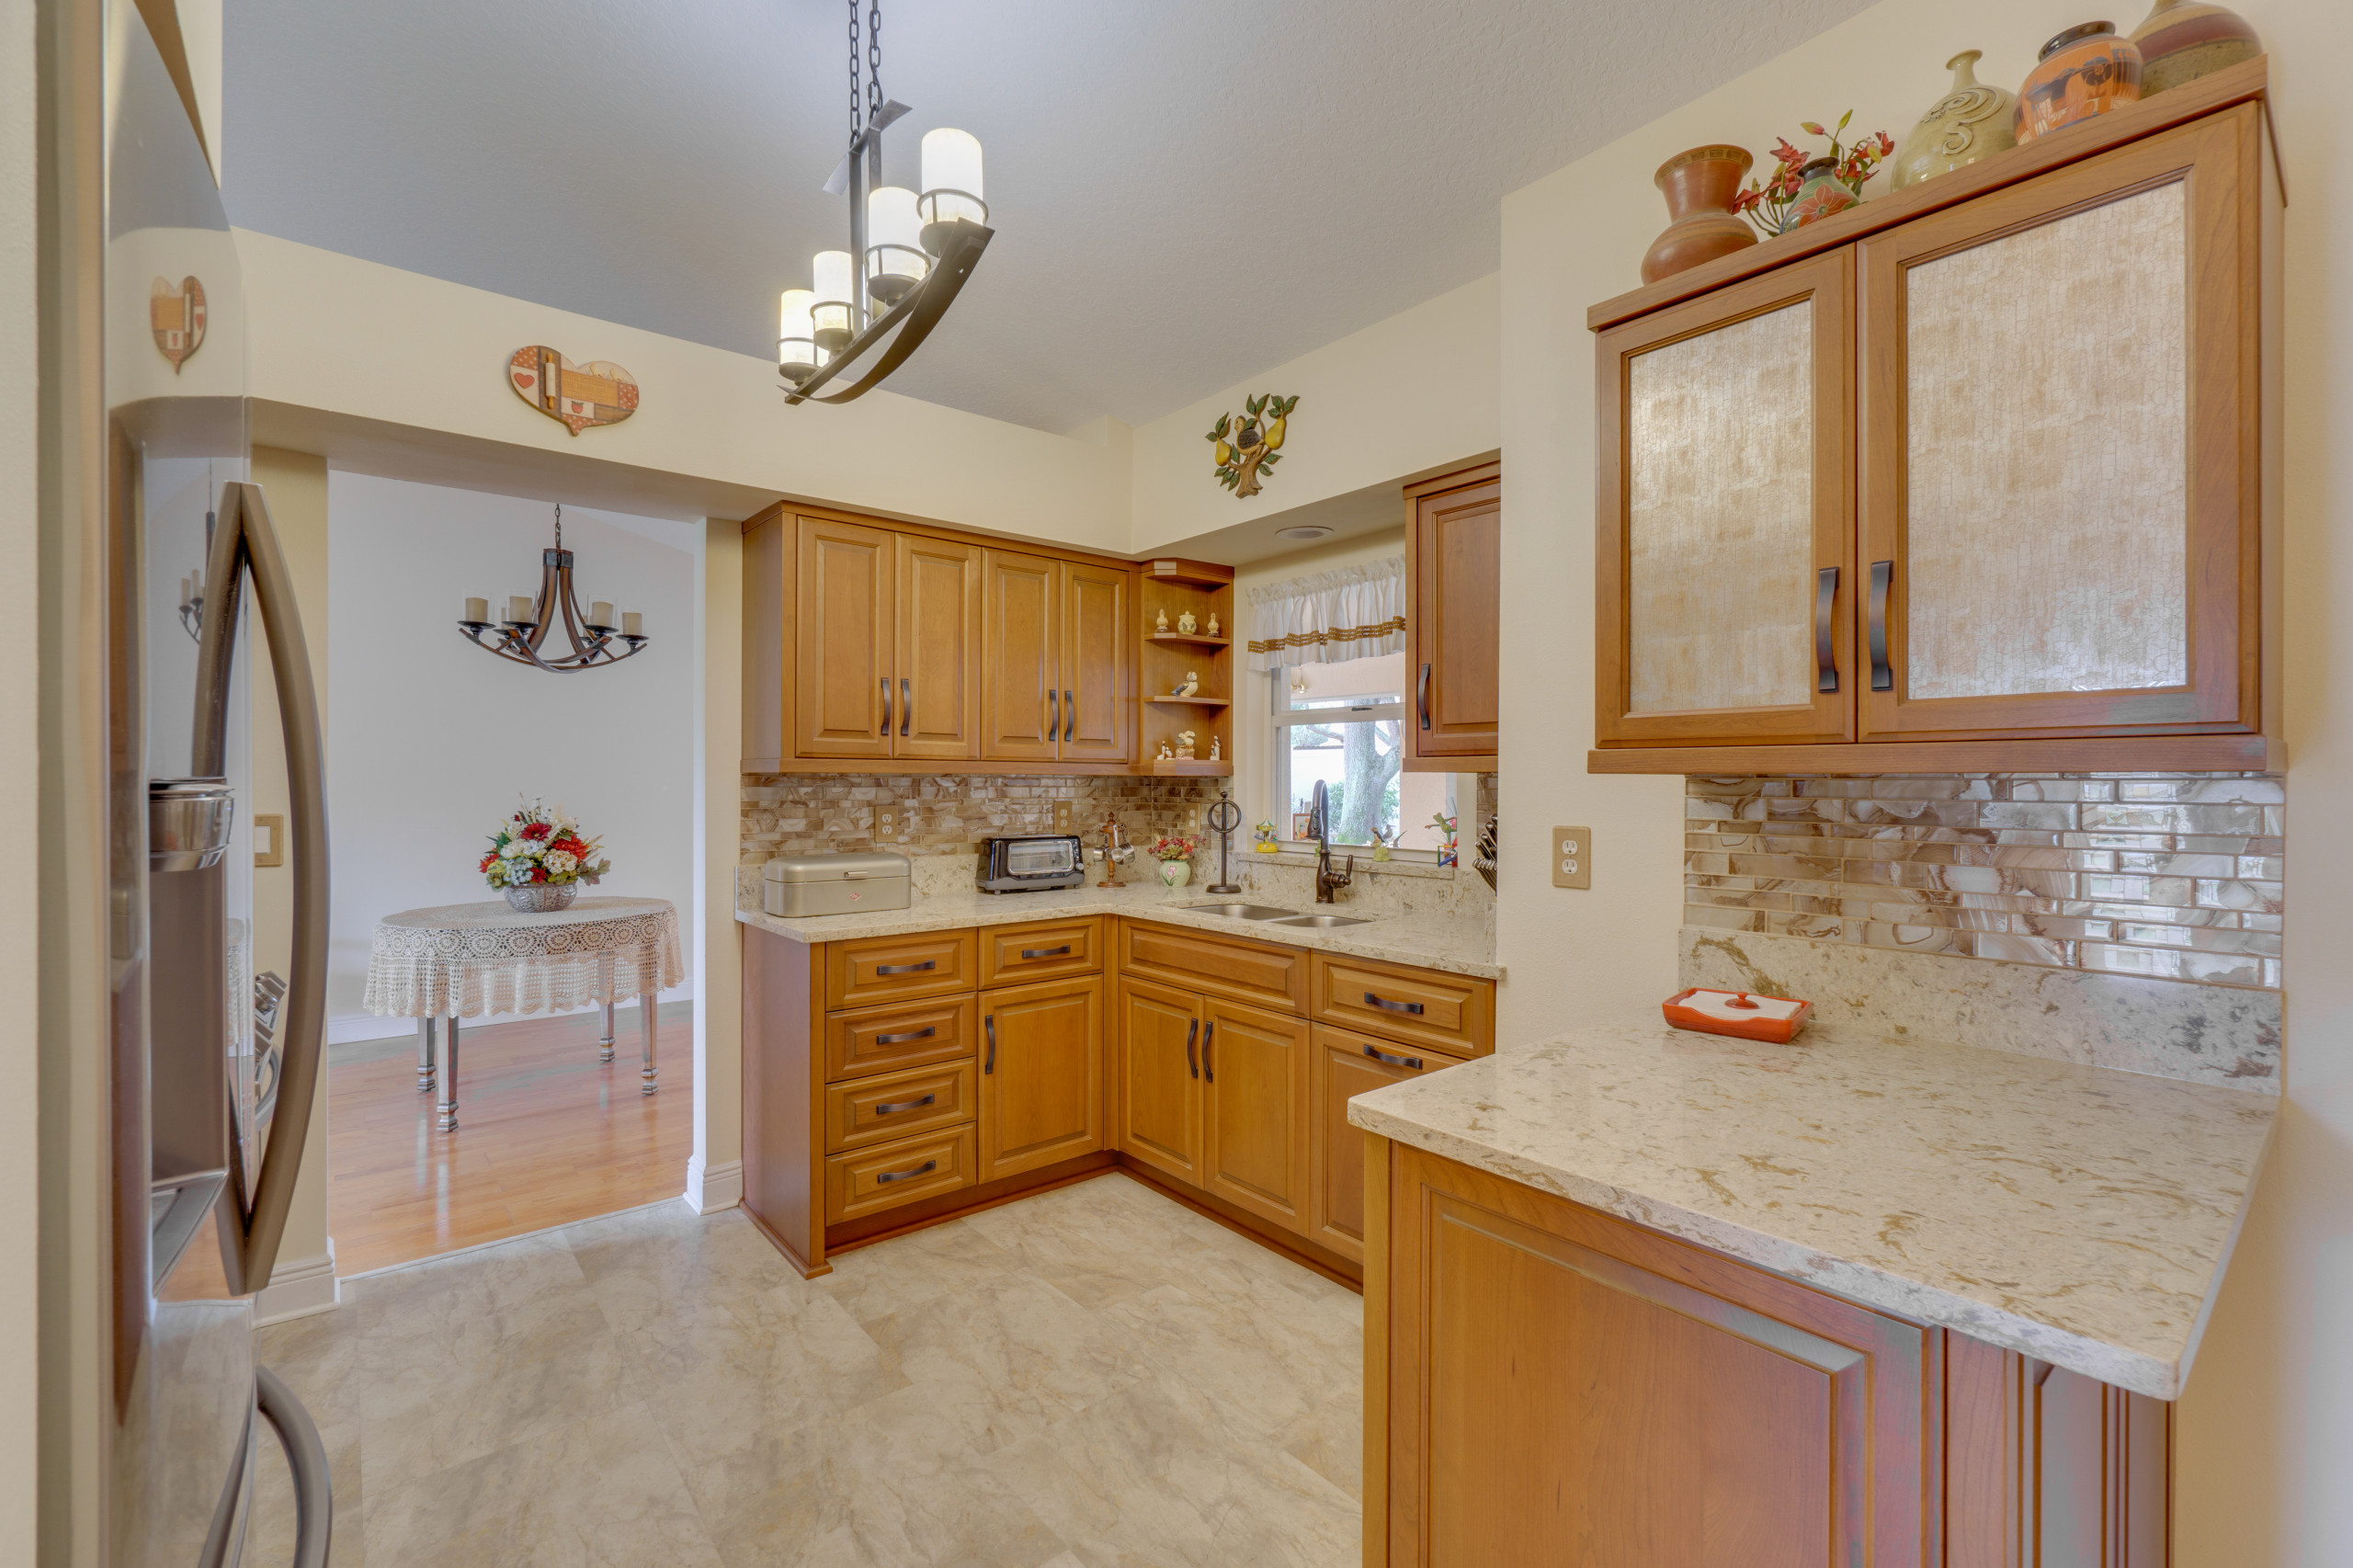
1454	579
1980	464
902	648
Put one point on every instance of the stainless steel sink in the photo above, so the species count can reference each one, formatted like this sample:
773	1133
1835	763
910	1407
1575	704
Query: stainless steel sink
1320	922
1241	911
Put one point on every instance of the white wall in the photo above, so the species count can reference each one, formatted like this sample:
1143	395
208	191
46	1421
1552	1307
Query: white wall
429	739
2266	1430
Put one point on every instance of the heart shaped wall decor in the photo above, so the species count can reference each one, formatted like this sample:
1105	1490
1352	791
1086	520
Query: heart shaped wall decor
176	312
599	392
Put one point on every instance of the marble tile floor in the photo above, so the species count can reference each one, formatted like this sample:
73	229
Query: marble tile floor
1093	1377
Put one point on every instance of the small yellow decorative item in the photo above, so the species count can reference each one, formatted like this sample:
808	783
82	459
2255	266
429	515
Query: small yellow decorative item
1245	447
1161	625
176	314
1264	835
575	396
1211	630
1186	623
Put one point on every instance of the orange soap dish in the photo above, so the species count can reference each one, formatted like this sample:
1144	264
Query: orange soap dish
1738	1013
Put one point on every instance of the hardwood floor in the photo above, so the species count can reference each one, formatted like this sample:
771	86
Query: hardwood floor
546	1135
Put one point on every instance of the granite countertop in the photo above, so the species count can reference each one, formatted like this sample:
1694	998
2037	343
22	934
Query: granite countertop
1429	941
2079	1214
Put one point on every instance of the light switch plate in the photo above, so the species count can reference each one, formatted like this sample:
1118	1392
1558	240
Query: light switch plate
886	820
1572	857
1062	816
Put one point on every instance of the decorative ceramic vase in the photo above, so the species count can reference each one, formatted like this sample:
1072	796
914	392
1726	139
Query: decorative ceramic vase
1699	185
1966	124
1175	873
542	898
1820	194
2084	71
2183	40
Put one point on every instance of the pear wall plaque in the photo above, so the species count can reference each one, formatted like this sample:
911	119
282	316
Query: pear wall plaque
176	312
575	396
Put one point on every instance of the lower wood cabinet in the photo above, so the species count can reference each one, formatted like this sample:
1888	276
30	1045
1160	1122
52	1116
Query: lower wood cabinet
1253	1111
1342	1065
1157	1119
869	1180
1041	1074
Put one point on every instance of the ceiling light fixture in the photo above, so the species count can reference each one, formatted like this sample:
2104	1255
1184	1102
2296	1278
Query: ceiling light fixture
594	637
909	253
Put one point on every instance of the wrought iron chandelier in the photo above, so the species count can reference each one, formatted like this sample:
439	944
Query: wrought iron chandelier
909	253
596	640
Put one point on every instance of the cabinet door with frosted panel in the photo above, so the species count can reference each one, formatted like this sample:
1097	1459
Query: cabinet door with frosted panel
2060	451
1726	566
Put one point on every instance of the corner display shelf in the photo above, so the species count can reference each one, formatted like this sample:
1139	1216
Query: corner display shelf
1175	586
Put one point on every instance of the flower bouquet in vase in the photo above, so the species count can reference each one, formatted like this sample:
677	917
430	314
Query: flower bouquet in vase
538	858
1806	185
1174	854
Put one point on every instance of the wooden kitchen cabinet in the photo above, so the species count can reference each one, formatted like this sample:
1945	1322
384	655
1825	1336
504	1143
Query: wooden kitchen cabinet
1041	1075
937	649
1158	1120
843	640
1255	1110
1454	582
1343	1065
1099	642
1982	475
1059	641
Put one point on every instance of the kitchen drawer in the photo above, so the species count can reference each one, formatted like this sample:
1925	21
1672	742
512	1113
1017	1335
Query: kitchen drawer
884	968
866	1111
1015	955
1447	1012
867	1181
909	1034
1262	973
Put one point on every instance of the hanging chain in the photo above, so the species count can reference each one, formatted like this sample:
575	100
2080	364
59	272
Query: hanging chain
559	526
856	104
873	63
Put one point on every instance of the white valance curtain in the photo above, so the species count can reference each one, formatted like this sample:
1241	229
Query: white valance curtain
1356	612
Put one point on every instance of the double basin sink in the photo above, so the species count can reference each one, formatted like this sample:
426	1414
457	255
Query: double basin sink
1274	917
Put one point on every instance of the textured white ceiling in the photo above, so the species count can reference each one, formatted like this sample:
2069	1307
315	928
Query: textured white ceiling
1183	193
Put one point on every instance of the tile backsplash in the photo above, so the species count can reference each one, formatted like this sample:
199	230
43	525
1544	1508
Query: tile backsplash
798	813
2171	876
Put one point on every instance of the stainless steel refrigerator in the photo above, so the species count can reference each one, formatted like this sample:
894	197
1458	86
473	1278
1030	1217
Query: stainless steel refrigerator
214	1065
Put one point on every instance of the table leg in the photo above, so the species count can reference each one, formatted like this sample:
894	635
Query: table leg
425	1056
604	1045
645	1014
447	1105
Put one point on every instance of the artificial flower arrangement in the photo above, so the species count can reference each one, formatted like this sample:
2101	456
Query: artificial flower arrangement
1446	851
538	845
1178	846
1785	202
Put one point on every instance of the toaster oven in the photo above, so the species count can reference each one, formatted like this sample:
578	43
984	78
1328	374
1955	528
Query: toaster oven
1031	862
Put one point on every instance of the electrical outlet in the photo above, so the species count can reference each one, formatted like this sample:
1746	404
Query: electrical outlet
1062	816
886	820
1571	850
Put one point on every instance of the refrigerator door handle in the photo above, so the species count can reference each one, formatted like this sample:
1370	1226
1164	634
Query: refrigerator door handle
244	539
306	1457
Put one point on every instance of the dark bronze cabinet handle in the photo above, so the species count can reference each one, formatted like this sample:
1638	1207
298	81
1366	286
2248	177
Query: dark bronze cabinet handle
1825	650
1208	1062
906	704
1070	717
1387	1006
1422	697
1062	952
897	1106
1380	1055
1193	1063
1053	713
906	967
989	1023
924	1170
886	707
1882	579
923	1033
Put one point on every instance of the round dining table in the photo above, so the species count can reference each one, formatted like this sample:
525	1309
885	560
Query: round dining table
473	960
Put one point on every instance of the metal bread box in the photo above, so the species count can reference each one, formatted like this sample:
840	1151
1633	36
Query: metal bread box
834	885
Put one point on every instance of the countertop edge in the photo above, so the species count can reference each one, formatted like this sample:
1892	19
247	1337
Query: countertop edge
1871	1286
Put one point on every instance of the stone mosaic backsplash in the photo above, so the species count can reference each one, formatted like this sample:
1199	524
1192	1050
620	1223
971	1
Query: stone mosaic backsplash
2165	876
801	813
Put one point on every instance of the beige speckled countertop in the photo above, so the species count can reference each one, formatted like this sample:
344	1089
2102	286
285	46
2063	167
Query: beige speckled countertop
2080	1214
1430	942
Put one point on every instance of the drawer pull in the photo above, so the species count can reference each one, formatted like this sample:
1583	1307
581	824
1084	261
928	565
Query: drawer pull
1208	1064
1826	647
1062	951
1193	1063
882	968
923	1033
1387	1006
1380	1055
924	1170
897	1106
989	1023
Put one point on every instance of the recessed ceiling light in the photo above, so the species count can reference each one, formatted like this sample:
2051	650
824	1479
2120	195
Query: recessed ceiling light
1303	530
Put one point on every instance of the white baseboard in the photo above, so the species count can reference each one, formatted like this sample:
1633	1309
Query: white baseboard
299	1288
713	1188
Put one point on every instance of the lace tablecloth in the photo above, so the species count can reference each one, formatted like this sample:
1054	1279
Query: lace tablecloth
466	959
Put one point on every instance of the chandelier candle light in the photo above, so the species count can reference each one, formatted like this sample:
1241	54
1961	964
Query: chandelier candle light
909	253
595	639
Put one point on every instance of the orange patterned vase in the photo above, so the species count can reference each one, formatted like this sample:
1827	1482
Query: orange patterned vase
1699	185
2083	72
2183	40
1820	194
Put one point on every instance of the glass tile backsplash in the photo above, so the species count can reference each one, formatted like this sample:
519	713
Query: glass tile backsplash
2174	876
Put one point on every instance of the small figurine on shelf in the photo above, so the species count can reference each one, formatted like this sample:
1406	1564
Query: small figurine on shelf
1445	826
1189	685
1184	746
1213	625
1161	625
1165	754
1217	749
1264	836
1186	623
